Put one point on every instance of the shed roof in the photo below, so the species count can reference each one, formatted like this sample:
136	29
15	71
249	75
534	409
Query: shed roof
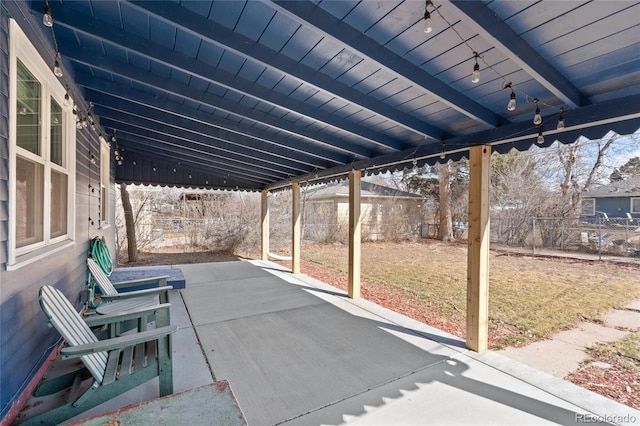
255	94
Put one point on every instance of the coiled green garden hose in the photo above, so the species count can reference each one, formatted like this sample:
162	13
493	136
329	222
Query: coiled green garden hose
100	253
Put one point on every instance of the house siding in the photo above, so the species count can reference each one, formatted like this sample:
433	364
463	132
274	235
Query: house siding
615	206
25	339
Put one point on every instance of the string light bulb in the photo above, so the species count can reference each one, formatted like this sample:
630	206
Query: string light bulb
475	75
537	118
57	69
561	120
540	138
47	19
67	98
427	17
511	106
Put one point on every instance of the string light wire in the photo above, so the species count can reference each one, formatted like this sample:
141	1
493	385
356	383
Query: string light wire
505	82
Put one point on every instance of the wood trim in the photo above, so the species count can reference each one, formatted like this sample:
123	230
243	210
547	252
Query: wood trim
264	225
295	228
478	249
355	230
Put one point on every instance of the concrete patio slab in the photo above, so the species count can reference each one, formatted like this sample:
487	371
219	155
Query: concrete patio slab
327	359
224	300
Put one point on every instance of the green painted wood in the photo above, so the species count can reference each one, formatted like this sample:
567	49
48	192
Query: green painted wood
106	383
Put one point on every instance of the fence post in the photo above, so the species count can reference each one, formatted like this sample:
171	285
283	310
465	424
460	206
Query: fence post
626	237
562	234
599	238
533	242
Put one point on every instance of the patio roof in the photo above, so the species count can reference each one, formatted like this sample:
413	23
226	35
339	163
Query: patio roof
256	94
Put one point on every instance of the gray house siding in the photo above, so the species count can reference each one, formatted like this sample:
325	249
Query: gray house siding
25	339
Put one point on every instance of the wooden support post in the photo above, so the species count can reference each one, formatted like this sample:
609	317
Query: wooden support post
478	249
354	234
295	228
264	225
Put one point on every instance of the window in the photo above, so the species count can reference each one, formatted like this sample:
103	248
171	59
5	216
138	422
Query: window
105	184
635	205
41	157
588	207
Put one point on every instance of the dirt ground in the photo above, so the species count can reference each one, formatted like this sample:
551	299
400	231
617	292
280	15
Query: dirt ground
618	383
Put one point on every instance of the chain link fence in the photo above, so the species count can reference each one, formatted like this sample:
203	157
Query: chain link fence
602	236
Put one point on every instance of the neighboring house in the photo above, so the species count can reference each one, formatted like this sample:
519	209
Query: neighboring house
619	199
386	212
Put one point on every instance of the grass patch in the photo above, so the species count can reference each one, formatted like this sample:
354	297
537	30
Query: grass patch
624	352
533	295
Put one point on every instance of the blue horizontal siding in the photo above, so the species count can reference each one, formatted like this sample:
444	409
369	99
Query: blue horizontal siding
25	340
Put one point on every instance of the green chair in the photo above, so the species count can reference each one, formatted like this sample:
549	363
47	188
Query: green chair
114	301
108	367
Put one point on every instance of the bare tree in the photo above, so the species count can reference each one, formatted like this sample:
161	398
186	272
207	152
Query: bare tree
445	230
581	171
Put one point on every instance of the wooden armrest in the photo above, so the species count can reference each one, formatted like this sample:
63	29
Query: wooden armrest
117	342
96	320
161	280
136	293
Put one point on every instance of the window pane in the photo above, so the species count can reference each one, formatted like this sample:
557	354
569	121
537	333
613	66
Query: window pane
635	205
56	133
588	207
29	202
58	204
28	108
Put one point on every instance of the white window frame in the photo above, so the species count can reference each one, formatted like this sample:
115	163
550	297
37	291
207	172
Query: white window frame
593	212
105	182
21	47
637	200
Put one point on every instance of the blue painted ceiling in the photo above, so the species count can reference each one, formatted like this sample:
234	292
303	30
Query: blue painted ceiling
255	94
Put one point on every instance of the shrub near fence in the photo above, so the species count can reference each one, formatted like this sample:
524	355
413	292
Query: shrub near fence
615	236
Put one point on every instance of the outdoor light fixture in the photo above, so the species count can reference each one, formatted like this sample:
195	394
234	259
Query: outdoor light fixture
57	69
442	154
540	138
561	120
427	18
537	118
47	20
475	76
511	106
